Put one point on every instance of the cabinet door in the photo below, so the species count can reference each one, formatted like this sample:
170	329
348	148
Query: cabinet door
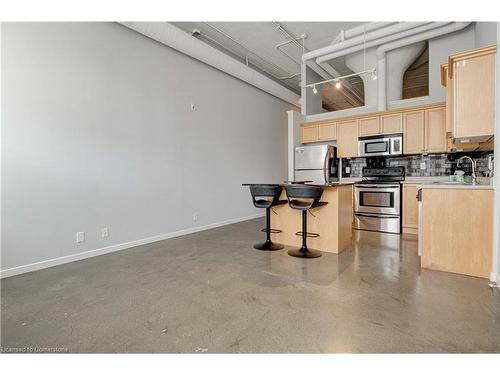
327	132
347	139
449	104
392	123
413	132
308	133
474	97
369	126
410	208
435	130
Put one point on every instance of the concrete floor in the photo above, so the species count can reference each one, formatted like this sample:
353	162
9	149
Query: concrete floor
211	292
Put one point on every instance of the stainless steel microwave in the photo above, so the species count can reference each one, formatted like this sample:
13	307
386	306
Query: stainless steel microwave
381	145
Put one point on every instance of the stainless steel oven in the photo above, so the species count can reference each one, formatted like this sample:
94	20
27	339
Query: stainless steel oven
377	200
381	145
377	207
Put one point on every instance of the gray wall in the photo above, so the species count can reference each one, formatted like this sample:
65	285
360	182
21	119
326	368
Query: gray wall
485	34
98	132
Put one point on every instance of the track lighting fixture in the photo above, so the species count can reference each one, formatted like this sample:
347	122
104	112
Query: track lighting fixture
315	90
338	85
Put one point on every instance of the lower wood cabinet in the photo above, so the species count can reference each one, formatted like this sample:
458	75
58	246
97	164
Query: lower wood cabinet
347	139
457	230
410	209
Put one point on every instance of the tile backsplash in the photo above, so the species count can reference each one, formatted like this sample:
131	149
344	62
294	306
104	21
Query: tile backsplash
435	164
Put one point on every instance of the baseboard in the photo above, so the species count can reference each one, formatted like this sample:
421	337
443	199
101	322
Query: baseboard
494	277
110	249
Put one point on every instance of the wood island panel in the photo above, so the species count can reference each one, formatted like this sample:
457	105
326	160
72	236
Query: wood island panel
333	222
457	231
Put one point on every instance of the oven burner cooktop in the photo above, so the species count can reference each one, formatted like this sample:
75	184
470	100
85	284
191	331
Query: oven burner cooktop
386	174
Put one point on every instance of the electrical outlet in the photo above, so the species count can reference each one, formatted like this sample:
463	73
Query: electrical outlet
104	232
193	107
195	216
80	236
422	165
347	169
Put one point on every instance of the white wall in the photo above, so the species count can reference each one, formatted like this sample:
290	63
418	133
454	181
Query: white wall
98	132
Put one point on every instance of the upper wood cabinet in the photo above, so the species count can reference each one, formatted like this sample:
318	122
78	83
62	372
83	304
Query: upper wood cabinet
327	132
470	92
447	81
308	133
369	126
423	128
413	133
347	139
383	124
425	131
318	132
391	123
435	139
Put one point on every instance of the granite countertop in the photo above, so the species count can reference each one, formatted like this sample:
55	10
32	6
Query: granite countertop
425	180
455	185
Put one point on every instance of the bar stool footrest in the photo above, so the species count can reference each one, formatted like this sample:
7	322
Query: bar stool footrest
309	234
271	230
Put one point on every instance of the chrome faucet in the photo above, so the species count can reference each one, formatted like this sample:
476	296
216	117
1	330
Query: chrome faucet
474	177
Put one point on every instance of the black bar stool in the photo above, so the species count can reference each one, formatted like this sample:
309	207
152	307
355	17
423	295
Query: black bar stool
303	198
267	196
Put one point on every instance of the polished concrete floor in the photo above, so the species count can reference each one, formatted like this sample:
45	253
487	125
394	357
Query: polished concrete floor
211	292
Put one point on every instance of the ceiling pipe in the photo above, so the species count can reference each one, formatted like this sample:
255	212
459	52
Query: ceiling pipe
383	49
176	38
349	93
358	30
383	40
377	34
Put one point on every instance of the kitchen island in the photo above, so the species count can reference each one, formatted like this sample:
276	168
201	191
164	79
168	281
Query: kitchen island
333	222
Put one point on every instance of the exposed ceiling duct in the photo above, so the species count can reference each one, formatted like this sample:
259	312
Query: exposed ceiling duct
178	39
361	39
387	37
382	40
355	31
383	49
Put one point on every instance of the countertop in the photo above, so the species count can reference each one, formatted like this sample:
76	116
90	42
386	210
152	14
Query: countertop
455	185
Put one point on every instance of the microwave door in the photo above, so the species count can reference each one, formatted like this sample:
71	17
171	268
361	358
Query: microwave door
311	157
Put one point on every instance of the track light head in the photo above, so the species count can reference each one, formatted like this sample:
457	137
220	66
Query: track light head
315	90
338	85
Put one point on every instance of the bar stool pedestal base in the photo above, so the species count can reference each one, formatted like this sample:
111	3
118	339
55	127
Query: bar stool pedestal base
268	245
304	253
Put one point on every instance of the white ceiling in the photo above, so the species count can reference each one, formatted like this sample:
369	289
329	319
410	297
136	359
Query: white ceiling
261	38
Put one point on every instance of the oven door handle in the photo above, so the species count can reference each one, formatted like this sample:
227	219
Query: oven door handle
377	186
377	216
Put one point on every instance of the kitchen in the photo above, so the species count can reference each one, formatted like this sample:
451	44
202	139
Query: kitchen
250	187
423	172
